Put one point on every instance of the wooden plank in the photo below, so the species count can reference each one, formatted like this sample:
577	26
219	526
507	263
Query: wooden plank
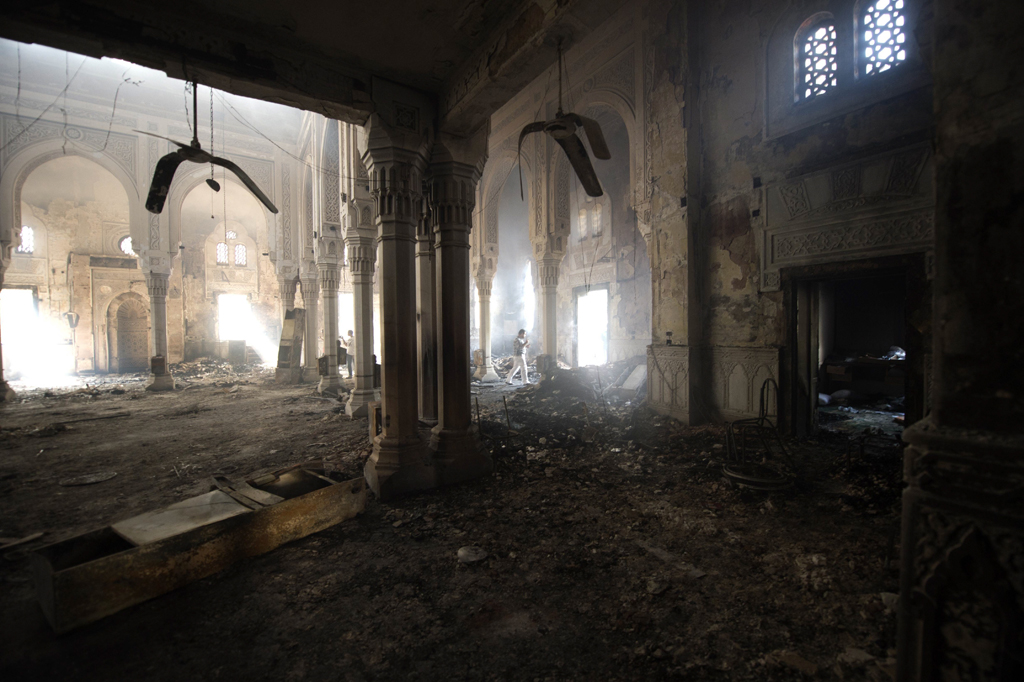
179	517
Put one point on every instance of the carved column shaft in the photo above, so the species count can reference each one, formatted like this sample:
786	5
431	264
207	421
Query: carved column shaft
426	320
453	196
399	462
329	276
310	292
483	290
548	268
362	258
156	282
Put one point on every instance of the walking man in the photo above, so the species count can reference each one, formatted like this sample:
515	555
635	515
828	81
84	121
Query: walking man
519	346
350	347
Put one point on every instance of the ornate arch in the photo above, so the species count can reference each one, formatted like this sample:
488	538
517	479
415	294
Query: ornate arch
29	158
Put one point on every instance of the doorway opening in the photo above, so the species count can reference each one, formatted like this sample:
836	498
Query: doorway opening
592	327
851	365
37	353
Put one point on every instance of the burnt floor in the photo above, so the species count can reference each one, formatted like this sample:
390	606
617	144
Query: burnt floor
625	558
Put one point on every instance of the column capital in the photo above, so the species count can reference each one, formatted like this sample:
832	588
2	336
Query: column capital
330	276
548	268
157	282
484	285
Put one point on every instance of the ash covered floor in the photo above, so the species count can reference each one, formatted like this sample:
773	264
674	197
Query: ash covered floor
626	558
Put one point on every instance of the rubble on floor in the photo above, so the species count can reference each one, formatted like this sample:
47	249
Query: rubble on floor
628	557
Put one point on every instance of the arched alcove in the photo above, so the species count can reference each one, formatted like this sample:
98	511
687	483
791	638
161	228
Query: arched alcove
513	299
605	253
128	333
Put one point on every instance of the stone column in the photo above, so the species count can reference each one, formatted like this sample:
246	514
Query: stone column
548	268
329	275
457	452
961	608
6	392
157	284
310	372
425	317
483	291
286	287
362	258
395	161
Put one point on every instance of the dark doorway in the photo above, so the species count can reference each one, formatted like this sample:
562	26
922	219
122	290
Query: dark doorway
856	352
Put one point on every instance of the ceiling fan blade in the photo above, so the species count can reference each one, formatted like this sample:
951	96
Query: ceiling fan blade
162	177
534	127
580	161
244	177
594	135
180	144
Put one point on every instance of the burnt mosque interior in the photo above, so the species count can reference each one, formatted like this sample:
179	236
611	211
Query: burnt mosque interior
512	340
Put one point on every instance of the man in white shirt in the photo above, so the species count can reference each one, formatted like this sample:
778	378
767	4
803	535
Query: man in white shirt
519	346
349	342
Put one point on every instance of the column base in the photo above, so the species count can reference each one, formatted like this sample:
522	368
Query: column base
399	467
310	375
486	373
7	394
330	385
458	456
161	382
358	404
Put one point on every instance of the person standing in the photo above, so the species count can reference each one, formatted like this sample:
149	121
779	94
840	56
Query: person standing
519	346
350	351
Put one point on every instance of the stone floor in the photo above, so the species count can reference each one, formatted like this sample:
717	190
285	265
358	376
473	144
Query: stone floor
628	557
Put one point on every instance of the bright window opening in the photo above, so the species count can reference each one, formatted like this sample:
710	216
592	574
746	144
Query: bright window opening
126	246
592	327
884	35
240	255
583	223
28	240
230	234
819	67
222	253
597	226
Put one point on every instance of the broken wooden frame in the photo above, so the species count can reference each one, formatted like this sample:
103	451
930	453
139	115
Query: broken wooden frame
96	574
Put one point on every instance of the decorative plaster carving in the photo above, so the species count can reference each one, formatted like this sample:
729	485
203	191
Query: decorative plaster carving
906	168
737	375
101	116
794	195
845	183
914	228
618	76
668	383
331	174
286	210
122	149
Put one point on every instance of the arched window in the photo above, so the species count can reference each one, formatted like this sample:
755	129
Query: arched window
239	254
230	234
583	223
597	225
222	253
125	244
818	66
28	240
884	31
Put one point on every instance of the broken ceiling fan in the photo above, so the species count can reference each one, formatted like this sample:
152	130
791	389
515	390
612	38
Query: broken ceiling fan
562	129
166	166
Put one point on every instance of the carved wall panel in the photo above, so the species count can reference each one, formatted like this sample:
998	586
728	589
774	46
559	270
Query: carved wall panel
879	206
962	573
668	380
737	375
